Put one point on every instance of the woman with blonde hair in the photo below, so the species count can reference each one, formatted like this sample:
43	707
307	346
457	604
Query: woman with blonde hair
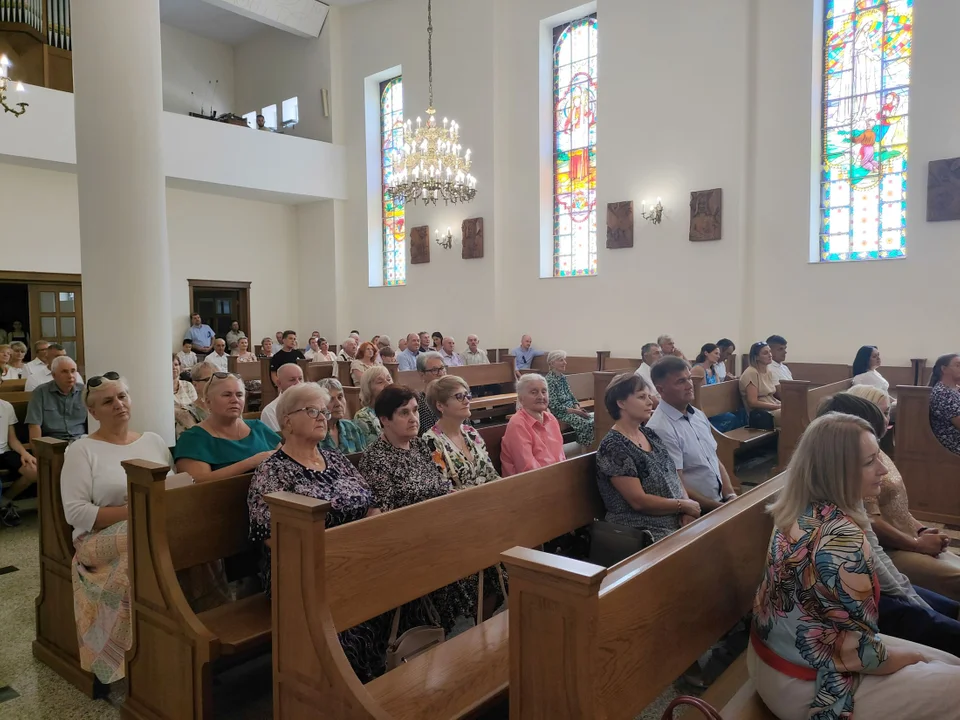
16	368
815	648
93	486
372	383
6	372
224	444
457	449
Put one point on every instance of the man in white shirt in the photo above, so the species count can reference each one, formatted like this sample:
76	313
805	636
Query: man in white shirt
218	358
187	357
348	351
288	376
15	459
778	348
650	353
44	374
39	358
474	355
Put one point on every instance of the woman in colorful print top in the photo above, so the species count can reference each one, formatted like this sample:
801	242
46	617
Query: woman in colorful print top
563	403
945	402
815	649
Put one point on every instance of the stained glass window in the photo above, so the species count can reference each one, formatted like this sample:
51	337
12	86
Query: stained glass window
391	140
866	101
575	148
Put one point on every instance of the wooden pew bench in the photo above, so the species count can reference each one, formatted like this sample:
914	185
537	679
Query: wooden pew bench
930	471
11	386
496	405
575	364
174	525
799	400
617	365
247	371
329	580
588	642
20	401
56	643
725	398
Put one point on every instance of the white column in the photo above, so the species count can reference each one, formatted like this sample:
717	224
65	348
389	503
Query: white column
124	255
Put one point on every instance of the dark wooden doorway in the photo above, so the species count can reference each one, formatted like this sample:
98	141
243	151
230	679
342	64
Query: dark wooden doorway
220	303
54	308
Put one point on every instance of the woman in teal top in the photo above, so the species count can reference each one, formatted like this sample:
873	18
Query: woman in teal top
342	435
224	444
372	383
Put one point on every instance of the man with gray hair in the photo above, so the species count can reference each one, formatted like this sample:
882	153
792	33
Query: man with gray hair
288	376
348	350
474	355
383	343
56	408
430	365
650	353
669	347
39	358
44	373
451	358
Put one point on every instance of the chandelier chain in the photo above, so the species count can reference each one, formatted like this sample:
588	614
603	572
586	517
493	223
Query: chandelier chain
430	47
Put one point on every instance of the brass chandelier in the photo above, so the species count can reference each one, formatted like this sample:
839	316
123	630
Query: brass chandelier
4	80
429	167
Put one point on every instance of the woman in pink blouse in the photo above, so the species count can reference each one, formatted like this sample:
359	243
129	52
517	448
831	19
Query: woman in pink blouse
533	439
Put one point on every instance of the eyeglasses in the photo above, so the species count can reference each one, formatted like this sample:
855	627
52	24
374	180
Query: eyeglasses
442	370
313	412
463	396
98	380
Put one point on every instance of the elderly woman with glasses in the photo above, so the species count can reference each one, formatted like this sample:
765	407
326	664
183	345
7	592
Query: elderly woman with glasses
457	449
224	444
342	434
430	365
563	403
93	486
372	383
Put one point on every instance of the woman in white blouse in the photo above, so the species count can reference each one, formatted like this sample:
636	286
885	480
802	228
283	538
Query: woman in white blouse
93	486
16	367
865	368
325	355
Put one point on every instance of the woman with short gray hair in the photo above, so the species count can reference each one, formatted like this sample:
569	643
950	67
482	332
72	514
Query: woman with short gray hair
93	485
563	403
533	439
342	434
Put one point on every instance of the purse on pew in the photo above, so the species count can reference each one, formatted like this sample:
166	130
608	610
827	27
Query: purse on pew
761	420
414	641
611	542
704	707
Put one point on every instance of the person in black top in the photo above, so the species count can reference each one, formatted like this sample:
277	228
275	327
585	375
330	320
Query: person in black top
289	353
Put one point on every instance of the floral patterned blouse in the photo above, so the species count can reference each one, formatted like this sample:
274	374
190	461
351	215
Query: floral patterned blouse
560	394
460	470
400	477
350	438
368	422
944	407
340	484
815	612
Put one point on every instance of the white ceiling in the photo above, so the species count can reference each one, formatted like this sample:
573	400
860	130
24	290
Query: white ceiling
213	23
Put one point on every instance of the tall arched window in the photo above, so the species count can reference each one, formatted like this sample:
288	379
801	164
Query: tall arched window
391	140
575	148
866	101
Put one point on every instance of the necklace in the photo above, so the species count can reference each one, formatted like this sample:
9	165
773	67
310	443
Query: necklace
634	436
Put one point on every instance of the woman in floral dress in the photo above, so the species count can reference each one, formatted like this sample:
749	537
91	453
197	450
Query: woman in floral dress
400	471
302	467
815	650
563	404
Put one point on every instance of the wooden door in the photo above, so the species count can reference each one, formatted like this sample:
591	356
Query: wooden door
56	315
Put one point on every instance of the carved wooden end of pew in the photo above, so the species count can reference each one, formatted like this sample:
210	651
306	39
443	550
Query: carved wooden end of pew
327	580
930	471
587	642
799	402
174	525
56	643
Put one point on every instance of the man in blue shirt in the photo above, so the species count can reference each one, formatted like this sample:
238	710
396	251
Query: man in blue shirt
407	360
199	334
525	353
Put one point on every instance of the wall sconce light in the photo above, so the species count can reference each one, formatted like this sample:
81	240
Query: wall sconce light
445	241
656	212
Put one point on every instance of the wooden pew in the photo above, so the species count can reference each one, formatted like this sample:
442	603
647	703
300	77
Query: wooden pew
352	397
343	374
316	371
247	371
575	364
328	580
799	402
930	471
581	385
56	643
268	391
587	642
11	386
602	422
20	401
501	374
611	364
175	524
725	398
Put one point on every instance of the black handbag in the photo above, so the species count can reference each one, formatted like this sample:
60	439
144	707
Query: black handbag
611	542
761	420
